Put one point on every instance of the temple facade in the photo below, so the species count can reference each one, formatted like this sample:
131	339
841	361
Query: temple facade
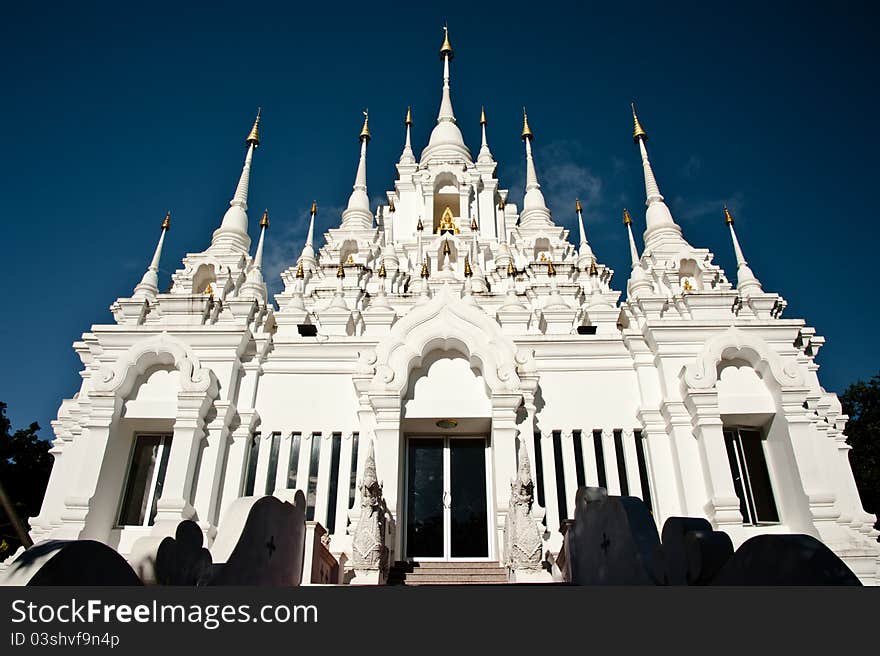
443	373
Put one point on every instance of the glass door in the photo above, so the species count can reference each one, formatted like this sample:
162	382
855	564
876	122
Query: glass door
447	507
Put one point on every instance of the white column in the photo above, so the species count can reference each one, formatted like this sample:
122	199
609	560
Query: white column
631	459
569	468
323	490
208	488
236	461
504	433
612	476
342	488
591	471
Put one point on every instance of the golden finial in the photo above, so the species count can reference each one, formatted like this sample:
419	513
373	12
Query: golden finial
527	131
299	270
264	220
551	270
391	207
593	270
314	209
446	250
474	226
419	225
627	219
728	217
424	269
209	291
382	272
483	120
166	222
254	136
501	204
688	287
577	205
350	259
543	257
510	270
340	271
408	120
446	48
365	131
468	272
638	130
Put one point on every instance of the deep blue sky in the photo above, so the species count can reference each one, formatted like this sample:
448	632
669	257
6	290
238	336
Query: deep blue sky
112	114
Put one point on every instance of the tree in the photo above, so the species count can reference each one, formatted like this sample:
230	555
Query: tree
25	464
861	401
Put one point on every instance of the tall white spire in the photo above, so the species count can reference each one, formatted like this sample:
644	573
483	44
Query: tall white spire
446	141
661	227
307	257
233	230
407	156
148	287
638	281
746	282
534	206
585	253
485	154
357	215
255	284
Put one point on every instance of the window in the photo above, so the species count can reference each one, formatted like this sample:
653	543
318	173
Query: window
312	487
293	461
274	445
146	476
253	455
751	478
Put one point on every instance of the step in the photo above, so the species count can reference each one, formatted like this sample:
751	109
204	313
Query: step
446	564
412	576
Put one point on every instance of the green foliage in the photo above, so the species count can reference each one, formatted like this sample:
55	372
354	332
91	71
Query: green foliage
861	401
25	464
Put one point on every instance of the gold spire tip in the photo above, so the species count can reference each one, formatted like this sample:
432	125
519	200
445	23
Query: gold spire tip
468	272
264	220
424	270
551	270
446	48
627	219
391	207
446	250
510	270
299	270
577	205
314	208
474	226
501	204
638	130
382	272
408	120
419	225
254	136
483	120
365	131
526	131
593	270
166	222
340	271
728	217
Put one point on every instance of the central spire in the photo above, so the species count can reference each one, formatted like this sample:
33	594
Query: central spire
534	206
357	215
446	141
233	230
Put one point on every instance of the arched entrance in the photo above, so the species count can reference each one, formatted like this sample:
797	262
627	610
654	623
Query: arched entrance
446	359
447	510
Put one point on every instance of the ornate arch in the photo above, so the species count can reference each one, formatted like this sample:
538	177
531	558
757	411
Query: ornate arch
447	323
702	373
161	349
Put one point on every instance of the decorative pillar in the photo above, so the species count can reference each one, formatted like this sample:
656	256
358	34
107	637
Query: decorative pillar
504	433
207	496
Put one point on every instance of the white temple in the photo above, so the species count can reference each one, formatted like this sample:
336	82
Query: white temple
461	341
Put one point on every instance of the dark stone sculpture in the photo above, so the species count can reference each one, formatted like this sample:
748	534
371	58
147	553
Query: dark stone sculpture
72	562
182	560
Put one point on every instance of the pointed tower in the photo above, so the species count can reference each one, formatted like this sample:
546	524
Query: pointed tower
485	156
407	156
148	287
638	281
446	141
232	235
535	212
585	253
357	215
661	228
746	282
307	257
255	285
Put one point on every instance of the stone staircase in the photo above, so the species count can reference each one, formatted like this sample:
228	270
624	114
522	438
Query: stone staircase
447	573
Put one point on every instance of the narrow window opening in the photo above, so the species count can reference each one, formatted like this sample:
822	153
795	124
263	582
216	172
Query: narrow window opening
253	455
621	462
293	460
146	478
333	489
643	470
352	483
578	458
600	457
312	489
273	462
539	469
561	503
751	477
